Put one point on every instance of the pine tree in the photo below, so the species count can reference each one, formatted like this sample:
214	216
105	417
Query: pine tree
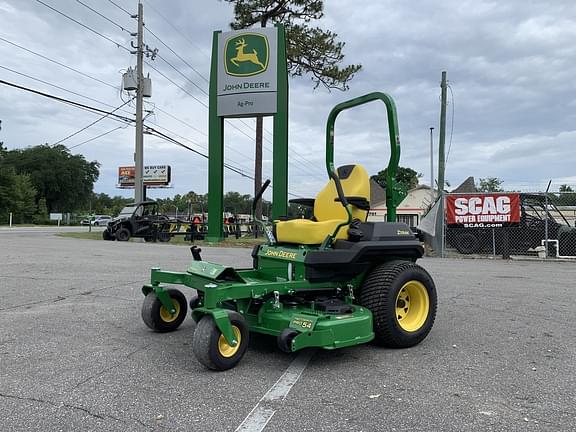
309	50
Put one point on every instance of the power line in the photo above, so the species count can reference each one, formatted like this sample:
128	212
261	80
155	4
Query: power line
152	131
55	86
177	55
103	16
62	88
58	63
206	106
177	85
159	134
119	45
185	77
163	59
111	114
181	121
205	79
96	137
67	101
91	124
177	30
120	7
203	147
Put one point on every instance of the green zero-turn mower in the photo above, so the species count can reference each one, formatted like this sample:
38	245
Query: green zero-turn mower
330	282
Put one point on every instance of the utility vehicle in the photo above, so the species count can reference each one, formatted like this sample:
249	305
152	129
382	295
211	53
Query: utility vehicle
138	220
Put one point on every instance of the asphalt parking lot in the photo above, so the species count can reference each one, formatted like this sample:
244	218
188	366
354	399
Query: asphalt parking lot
75	355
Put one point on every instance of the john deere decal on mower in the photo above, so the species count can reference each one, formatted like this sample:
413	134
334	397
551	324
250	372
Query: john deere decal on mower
330	282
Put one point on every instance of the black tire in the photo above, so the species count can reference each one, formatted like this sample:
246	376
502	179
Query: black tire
163	237
195	302
467	243
400	321
123	234
210	347
285	339
155	315
106	235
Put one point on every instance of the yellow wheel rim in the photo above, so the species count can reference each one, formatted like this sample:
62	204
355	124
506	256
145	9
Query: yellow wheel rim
227	350
166	315
412	306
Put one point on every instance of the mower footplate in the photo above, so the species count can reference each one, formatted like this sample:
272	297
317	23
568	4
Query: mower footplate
315	328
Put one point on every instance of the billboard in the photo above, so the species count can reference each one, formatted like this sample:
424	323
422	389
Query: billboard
153	175
483	210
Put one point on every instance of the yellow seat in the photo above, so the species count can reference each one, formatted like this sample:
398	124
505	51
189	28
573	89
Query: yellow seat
329	213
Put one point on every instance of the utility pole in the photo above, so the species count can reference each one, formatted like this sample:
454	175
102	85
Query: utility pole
139	153
431	166
441	166
442	137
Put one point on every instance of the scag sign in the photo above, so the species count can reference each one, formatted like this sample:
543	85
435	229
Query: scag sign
483	210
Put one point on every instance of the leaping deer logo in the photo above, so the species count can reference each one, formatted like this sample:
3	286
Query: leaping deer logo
241	56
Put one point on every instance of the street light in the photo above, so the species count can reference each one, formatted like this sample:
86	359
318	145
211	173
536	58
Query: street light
431	166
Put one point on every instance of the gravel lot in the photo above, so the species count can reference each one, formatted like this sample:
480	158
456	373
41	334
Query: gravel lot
75	355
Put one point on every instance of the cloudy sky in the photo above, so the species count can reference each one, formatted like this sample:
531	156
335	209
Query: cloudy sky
511	67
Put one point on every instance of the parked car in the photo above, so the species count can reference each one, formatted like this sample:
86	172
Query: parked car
97	220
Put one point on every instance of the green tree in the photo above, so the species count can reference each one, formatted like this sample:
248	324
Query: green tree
64	180
310	50
16	195
406	177
101	203
490	184
566	197
190	202
41	215
235	202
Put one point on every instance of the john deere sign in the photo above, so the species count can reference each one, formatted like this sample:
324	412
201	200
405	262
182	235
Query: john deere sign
240	61
247	70
248	78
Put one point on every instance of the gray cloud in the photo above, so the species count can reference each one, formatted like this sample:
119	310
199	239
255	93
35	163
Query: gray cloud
510	66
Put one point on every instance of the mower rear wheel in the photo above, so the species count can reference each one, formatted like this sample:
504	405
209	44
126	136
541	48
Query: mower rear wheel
402	298
158	318
211	348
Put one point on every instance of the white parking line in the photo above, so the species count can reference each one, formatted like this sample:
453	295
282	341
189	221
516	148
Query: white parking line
266	407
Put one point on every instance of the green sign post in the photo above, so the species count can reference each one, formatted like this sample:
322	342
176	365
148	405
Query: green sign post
248	78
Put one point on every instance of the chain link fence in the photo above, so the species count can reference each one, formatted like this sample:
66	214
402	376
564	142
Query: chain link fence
509	224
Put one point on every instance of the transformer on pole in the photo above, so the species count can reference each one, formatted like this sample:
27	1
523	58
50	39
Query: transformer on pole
134	80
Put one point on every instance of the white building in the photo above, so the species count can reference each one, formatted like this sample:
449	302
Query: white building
410	210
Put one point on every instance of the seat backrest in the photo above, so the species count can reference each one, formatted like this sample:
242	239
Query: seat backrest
355	182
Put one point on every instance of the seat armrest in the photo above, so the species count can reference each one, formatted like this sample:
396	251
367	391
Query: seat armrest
309	202
359	202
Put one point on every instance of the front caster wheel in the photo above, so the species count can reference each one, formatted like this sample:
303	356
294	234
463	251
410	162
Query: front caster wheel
158	318
285	339
210	346
195	302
